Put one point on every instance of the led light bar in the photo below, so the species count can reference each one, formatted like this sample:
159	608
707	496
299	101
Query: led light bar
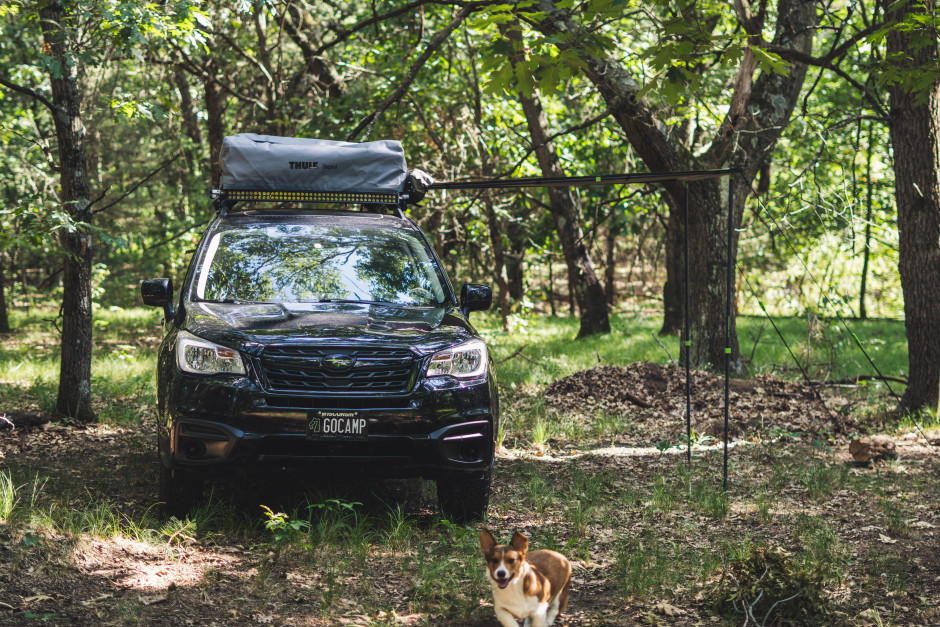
377	198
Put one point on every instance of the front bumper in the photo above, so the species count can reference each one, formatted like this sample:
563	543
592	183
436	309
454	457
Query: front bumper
443	427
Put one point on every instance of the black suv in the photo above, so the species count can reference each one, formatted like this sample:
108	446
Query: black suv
311	337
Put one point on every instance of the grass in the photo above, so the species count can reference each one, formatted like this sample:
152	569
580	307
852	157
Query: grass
8	497
644	530
123	363
824	347
653	533
646	564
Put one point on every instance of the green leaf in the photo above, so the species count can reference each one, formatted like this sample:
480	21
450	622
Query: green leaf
500	80
769	62
549	79
501	47
524	80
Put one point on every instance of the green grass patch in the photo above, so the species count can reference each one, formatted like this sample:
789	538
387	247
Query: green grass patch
123	370
646	564
824	347
123	366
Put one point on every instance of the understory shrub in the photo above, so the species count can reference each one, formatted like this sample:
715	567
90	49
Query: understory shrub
764	586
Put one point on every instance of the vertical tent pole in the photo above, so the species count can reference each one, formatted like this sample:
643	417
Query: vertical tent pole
728	327
687	343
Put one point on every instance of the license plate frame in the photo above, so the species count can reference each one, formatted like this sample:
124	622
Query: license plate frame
337	425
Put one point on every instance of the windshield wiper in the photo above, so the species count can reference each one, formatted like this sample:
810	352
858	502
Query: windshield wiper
385	303
232	301
355	300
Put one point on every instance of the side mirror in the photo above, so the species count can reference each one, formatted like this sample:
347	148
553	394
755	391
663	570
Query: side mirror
159	293
475	297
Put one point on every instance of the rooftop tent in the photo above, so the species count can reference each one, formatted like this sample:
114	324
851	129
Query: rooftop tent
270	163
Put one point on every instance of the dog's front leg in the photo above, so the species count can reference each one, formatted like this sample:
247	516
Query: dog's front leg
538	618
552	612
505	618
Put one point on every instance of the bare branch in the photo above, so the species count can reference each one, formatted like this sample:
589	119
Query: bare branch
826	63
247	55
190	65
375	19
26	91
134	187
176	236
752	25
365	127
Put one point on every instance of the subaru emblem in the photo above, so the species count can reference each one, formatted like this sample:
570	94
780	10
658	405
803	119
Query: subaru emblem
339	362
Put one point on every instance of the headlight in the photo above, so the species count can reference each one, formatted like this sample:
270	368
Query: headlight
464	361
199	356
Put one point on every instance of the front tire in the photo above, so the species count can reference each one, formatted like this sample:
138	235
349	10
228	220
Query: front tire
179	491
464	500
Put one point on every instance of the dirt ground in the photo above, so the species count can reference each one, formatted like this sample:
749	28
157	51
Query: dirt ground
231	579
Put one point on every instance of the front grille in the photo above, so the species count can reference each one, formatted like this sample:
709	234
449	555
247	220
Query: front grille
339	402
288	368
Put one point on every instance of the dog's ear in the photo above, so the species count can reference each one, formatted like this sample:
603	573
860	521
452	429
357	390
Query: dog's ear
487	541
519	542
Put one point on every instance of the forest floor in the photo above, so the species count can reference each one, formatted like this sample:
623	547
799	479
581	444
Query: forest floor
601	474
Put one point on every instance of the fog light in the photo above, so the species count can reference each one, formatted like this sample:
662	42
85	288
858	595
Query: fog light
470	452
194	449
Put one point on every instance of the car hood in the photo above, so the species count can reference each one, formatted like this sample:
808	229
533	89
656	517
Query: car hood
247	325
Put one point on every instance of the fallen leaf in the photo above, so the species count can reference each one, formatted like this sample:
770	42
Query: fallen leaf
668	610
38	597
885	539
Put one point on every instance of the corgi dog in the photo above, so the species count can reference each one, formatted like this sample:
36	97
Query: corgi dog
531	586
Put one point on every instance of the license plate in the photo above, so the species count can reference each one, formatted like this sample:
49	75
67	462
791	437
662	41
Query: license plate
337	424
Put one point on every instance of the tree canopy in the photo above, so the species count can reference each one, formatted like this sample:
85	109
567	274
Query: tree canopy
112	115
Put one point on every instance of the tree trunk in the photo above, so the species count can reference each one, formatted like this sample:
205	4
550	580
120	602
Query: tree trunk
551	286
190	120
869	205
583	283
515	258
215	105
914	125
74	398
298	24
187	109
757	113
4	319
674	287
499	258
610	271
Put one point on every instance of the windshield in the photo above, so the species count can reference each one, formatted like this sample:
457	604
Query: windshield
304	263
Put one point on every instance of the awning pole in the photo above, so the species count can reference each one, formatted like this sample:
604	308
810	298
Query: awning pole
728	326
687	340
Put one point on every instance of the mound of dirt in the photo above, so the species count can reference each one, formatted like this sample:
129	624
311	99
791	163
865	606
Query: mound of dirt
651	392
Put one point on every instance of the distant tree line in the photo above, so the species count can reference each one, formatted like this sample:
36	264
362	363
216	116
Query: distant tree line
113	113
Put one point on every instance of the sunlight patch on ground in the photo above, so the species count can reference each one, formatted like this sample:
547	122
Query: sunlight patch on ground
607	451
141	566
